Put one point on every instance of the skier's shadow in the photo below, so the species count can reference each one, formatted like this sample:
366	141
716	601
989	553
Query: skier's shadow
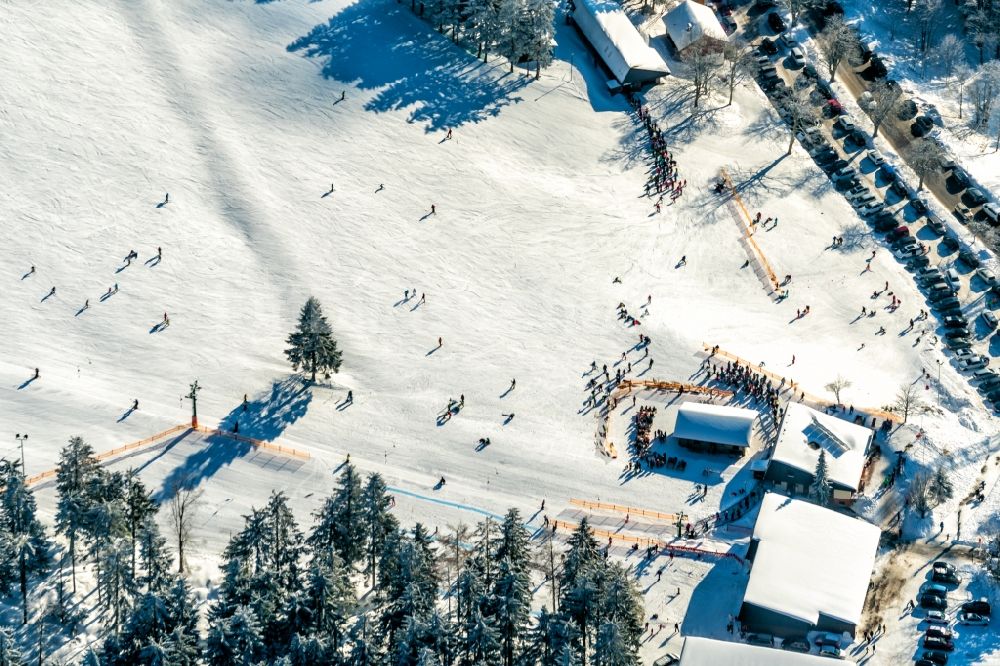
344	405
127	414
439	485
161	204
506	393
26	383
426	215
106	296
121	268
153	261
80	311
326	194
433	350
508	419
481	445
26	275
415	306
157	328
402	301
46	297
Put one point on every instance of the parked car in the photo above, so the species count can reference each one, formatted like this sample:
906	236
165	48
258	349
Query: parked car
961	177
986	275
876	158
935	224
810	70
952	322
940	632
919	261
935	657
919	204
953	278
969	257
989	319
979	606
844	124
935	643
835	165
767	46
983	375
933	601
844	172
775	22
973	619
797	56
935	617
992	212
949	243
962	213
989	384
871	209
975	196
796	645
959	343
760	639
668	659
830	651
949	577
922	125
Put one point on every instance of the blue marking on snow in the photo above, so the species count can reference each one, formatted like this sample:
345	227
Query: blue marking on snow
454	505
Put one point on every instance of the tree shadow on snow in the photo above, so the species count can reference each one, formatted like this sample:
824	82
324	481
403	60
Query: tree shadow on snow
266	417
417	68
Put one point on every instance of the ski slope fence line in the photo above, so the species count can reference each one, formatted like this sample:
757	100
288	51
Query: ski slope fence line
820	402
747	233
256	443
628	510
644	542
116	451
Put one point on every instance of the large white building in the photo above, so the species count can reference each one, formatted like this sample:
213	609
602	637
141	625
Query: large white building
715	428
810	569
691	23
699	651
617	41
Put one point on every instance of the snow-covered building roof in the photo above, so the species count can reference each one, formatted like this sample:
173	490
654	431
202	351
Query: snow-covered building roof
718	424
810	561
805	432
690	22
618	42
699	651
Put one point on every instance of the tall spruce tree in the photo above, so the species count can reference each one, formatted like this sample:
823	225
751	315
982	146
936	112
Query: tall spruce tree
940	489
312	346
377	519
77	467
340	526
820	490
154	557
139	506
21	529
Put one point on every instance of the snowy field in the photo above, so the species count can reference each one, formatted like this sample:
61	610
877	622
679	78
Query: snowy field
232	108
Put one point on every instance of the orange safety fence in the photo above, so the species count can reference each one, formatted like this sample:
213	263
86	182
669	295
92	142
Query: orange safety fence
116	451
629	510
822	402
644	542
256	443
747	233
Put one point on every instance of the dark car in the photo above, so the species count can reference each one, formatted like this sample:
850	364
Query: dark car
945	566
810	71
796	645
935	224
959	344
922	125
979	606
767	46
935	657
975	196
932	601
953	334
988	385
938	643
949	243
775	22
919	261
951	322
836	165
919	205
876	68
961	177
941	632
969	257
902	231
948	577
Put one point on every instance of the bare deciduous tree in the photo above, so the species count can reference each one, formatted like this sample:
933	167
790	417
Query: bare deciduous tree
739	64
837	41
958	83
916	496
950	52
924	157
837	386
885	100
985	88
703	61
928	15
799	112
182	508
796	8
907	401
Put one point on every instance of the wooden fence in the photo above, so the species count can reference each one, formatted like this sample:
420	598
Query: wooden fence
644	542
675	387
629	510
256	443
116	451
748	235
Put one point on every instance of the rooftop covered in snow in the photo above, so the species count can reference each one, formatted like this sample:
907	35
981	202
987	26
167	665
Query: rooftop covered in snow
810	561
690	22
699	651
618	42
718	424
805	432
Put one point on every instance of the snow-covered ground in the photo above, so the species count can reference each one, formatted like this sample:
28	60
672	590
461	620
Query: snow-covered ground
232	108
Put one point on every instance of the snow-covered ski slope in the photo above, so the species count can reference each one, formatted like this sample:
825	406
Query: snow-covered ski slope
232	108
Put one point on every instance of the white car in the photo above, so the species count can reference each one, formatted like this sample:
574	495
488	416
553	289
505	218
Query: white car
856	191
986	275
872	209
876	158
797	55
973	619
968	364
965	353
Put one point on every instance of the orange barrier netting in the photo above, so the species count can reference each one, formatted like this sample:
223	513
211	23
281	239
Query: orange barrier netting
677	387
256	443
116	451
882	414
644	541
620	508
748	234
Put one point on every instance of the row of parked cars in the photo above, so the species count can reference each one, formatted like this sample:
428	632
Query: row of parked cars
939	636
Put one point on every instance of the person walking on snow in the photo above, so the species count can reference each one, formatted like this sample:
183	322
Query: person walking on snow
433	209
440	342
449	134
166	319
135	404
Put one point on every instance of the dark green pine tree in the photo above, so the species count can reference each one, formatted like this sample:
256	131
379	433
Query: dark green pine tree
74	473
139	507
510	605
622	609
24	534
331	601
340	527
10	655
582	584
154	557
312	346
551	636
377	519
